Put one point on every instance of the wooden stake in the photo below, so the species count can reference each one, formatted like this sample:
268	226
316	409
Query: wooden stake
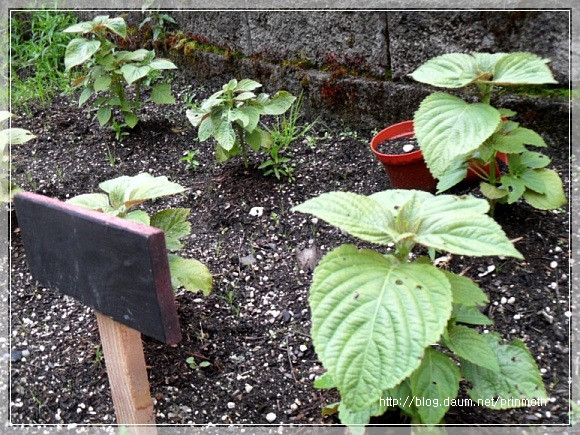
127	374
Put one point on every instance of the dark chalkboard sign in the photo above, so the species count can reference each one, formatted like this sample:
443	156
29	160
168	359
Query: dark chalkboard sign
113	265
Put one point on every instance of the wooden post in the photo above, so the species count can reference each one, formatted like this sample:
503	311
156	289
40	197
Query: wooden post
127	373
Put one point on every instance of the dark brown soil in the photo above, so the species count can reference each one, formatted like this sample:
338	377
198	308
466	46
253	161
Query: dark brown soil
254	328
396	146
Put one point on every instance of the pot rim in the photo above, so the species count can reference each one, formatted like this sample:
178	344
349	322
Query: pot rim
395	131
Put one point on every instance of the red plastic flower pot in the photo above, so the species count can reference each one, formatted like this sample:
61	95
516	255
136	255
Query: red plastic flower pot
406	171
409	170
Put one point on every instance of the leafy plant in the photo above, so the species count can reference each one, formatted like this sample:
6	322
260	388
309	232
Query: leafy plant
38	45
108	71
189	158
122	194
9	136
454	134
376	316
156	20
231	117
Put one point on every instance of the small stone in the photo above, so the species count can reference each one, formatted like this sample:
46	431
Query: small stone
554	264
303	348
503	300
490	269
557	249
517	317
25	353
257	211
568	314
293	407
16	355
408	148
271	417
511	300
248	260
231	405
308	258
314	220
248	388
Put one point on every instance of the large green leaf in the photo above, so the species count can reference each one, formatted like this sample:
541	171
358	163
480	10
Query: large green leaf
135	56
102	83
116	25
553	198
84	27
139	216
94	201
518	376
78	51
465	291
362	304
449	129
358	215
247	85
514	186
104	115
225	134
191	274
324	382
486	61
160	63
456	224
453	70
139	188
471	346
522	69
161	94
279	103
132	73
470	315
174	224
14	136
436	380
535	160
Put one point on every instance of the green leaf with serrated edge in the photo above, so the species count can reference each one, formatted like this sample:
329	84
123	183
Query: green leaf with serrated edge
534	160
116	25
453	70
461	226
161	94
130	119
279	103
518	376
104	115
244	96
515	164
470	315
138	216
14	136
533	180
514	140
206	129
358	215
78	51
448	129
324	382
84	27
174	224
492	192
359	301
247	85
465	291
253	115
507	144
522	69
553	198
436	379
486	61
471	346
515	187
94	201
230	86
132	73
506	113
238	115
213	101
225	135
191	274
356	420
140	188
137	55
160	63
195	116
452	177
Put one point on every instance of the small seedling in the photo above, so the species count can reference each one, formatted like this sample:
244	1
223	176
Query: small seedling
189	158
194	365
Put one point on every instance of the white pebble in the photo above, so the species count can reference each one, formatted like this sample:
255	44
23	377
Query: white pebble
517	317
249	388
257	211
511	300
303	348
490	269
543	370
271	417
231	405
314	220
557	249
568	314
503	300
554	264
408	148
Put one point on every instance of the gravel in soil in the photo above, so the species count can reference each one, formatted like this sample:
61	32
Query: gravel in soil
400	145
254	328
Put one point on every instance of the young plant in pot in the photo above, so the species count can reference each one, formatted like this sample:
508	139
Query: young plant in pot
385	327
455	135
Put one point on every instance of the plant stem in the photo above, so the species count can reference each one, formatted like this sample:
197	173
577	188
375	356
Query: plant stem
240	132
